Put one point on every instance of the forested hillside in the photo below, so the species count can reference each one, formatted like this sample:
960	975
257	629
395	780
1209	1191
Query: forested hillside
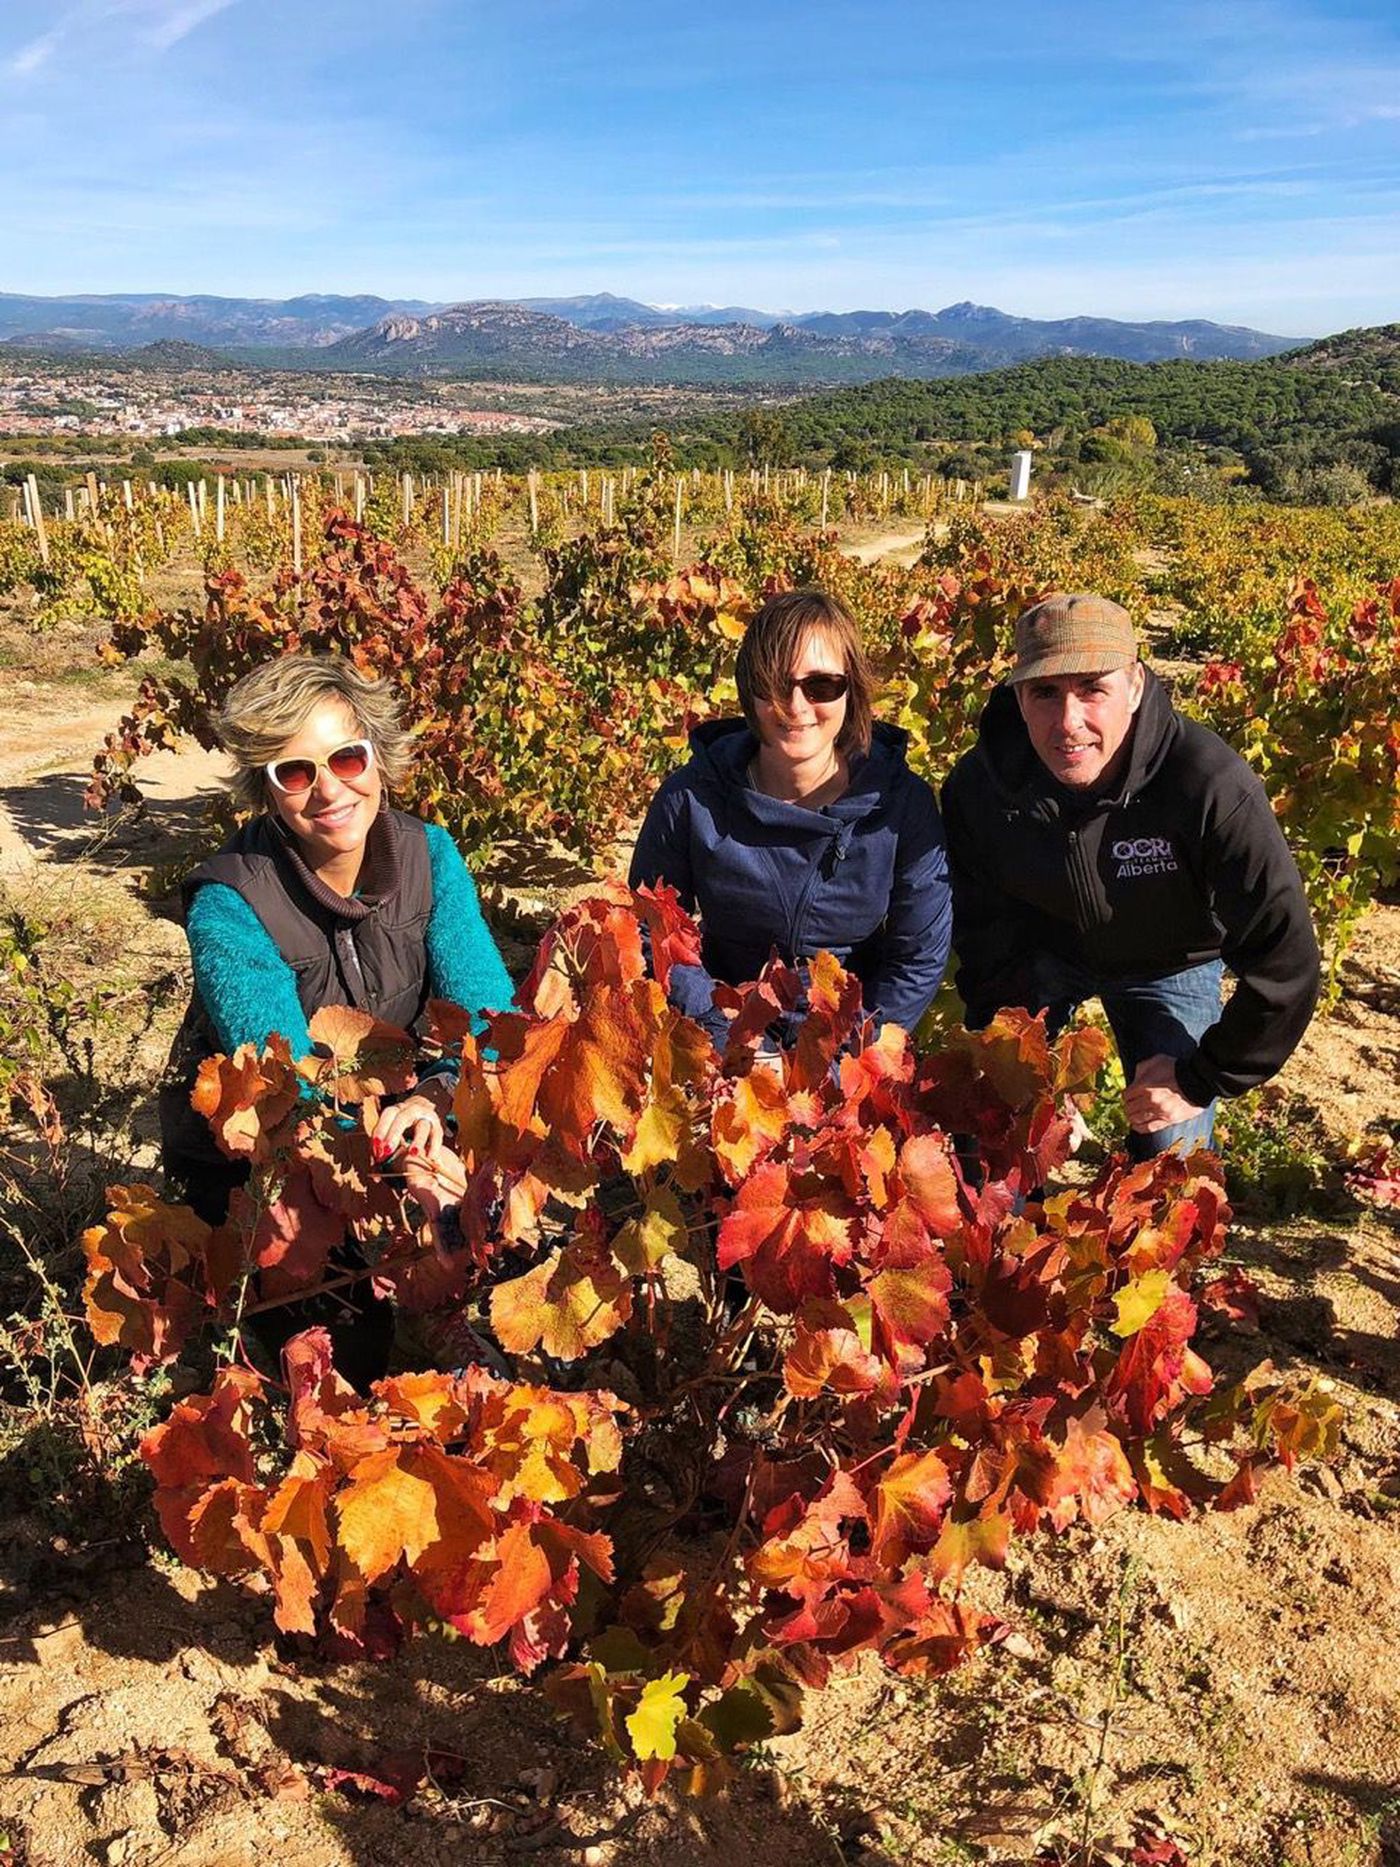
1296	432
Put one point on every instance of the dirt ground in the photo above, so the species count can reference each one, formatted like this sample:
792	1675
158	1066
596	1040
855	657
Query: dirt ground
1234	1679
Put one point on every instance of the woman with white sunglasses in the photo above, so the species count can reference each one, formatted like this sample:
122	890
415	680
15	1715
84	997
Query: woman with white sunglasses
324	896
800	828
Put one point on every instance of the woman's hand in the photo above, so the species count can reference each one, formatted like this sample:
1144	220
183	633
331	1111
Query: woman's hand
417	1123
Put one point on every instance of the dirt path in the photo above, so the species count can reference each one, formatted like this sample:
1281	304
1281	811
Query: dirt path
901	547
46	755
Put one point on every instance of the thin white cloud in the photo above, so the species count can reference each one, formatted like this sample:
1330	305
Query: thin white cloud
174	23
164	23
31	57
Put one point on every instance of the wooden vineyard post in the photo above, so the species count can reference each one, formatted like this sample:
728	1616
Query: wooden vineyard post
532	482
407	501
447	510
826	495
203	502
219	509
296	526
68	512
676	537
127	500
236	492
729	489
359	500
35	514
194	507
271	496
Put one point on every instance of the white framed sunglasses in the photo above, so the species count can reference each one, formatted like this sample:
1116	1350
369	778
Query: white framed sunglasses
294	776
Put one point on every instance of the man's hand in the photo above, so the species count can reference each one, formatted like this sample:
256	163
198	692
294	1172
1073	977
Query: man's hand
1152	1099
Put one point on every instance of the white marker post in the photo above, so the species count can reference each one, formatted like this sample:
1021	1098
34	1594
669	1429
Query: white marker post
1021	474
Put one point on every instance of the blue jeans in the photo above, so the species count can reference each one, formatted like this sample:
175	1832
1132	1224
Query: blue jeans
1149	1017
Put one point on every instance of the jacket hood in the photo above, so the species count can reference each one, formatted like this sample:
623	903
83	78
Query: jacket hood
722	750
1005	751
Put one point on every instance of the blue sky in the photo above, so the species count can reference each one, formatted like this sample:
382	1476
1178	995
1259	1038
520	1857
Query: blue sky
1238	160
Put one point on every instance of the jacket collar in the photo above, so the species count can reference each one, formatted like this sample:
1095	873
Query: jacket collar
379	876
723	749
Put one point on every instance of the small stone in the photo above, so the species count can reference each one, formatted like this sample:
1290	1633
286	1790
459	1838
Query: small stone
594	1857
117	1850
1324	1482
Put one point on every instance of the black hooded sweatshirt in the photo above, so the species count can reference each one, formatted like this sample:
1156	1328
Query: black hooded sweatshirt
1181	863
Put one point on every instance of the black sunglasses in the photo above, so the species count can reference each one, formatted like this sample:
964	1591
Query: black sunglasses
295	775
821	690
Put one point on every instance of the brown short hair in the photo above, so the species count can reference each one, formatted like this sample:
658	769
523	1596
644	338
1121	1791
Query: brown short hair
263	711
769	650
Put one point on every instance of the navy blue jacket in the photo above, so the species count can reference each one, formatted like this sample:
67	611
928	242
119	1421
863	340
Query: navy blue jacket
866	878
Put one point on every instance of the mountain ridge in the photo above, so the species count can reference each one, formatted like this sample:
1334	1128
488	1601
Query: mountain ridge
601	336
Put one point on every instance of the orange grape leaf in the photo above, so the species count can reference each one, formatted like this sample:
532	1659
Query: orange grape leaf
366	1057
910	1503
788	1236
931	1183
246	1098
148	1269
387	1512
1091	1474
749	1120
827	1354
945	1636
673	939
601	1070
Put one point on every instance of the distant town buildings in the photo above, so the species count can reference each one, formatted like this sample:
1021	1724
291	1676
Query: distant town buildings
152	405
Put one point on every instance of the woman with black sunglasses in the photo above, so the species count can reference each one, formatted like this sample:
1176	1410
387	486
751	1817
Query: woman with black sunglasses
325	896
800	828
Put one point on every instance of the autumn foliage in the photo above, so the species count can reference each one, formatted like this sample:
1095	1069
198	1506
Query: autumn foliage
792	1368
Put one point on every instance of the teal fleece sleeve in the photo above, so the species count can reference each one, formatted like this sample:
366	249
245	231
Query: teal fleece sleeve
464	964
245	985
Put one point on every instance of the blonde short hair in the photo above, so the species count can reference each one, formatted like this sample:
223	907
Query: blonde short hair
269	706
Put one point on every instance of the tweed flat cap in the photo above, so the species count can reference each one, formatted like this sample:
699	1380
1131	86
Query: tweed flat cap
1072	633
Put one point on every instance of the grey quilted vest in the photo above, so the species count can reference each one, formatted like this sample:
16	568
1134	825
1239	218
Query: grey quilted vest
369	952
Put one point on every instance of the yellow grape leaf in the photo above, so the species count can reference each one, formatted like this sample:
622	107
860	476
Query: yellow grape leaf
569	1304
1138	1302
652	1726
981	1540
644	1243
660	1133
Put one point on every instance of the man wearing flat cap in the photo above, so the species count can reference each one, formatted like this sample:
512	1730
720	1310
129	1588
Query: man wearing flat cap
1102	845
